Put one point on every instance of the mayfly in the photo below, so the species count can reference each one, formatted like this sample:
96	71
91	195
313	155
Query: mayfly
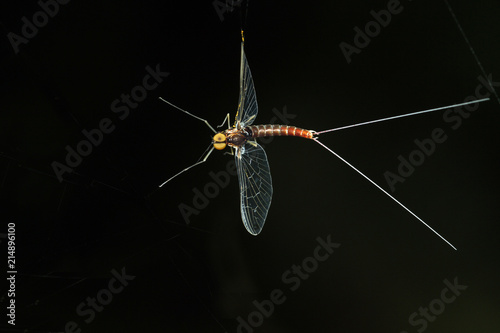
254	175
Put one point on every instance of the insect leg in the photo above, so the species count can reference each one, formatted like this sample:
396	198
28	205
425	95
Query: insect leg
227	118
252	142
231	153
197	163
192	115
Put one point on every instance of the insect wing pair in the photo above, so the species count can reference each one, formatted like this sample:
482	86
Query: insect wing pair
254	176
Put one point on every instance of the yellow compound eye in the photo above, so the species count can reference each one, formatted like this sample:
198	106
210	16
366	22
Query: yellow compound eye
219	141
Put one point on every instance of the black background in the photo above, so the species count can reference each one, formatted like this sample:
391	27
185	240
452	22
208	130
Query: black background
199	277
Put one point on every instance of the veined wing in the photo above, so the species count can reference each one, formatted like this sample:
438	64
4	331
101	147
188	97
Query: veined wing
247	106
256	188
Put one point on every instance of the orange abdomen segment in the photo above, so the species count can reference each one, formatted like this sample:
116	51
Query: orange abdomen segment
259	131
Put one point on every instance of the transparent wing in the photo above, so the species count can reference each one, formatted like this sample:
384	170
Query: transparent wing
247	106
256	188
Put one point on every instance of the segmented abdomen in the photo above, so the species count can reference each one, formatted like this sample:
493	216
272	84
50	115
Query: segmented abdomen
279	130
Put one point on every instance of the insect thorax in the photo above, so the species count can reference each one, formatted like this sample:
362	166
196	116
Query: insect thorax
237	137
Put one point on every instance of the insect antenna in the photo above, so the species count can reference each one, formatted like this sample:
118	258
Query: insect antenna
385	192
401	116
192	115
